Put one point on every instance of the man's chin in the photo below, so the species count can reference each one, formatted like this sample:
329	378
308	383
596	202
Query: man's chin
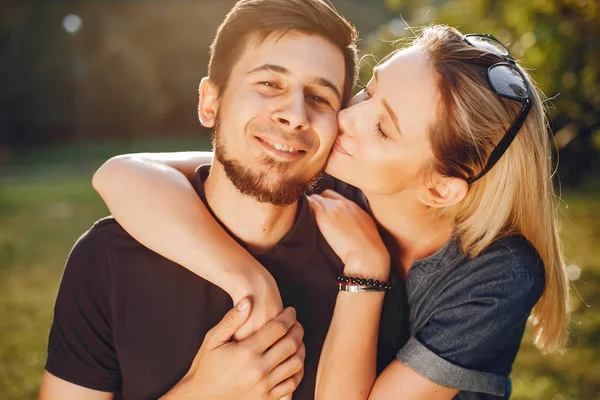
265	185
281	194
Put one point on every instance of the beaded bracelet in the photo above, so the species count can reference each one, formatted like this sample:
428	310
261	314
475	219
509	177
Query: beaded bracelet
353	284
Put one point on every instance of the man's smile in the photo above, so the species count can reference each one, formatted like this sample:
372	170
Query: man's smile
280	149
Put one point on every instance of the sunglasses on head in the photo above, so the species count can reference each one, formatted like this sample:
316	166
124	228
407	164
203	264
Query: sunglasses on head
506	81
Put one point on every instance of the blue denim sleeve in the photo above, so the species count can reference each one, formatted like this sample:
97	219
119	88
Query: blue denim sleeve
473	331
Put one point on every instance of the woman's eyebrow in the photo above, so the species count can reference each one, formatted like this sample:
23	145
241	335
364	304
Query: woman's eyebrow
389	109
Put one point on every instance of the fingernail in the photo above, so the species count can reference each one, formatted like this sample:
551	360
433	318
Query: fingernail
243	304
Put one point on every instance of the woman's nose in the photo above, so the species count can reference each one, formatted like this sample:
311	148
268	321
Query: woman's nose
344	121
346	117
358	98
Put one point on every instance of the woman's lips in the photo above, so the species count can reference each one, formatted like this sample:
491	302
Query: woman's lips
338	147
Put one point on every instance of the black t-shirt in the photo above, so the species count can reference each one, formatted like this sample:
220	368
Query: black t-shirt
130	321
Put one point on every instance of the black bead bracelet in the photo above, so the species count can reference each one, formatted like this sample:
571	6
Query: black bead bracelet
344	282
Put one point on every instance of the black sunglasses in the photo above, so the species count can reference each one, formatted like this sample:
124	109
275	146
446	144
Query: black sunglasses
506	81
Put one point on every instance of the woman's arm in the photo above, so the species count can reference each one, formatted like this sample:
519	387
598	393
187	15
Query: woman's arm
150	195
347	367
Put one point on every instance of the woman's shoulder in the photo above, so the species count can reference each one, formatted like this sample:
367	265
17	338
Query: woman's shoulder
469	318
512	254
508	269
509	256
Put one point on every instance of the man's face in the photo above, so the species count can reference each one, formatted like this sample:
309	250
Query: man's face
277	120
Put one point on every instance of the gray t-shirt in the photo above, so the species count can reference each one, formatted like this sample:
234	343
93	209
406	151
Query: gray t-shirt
467	316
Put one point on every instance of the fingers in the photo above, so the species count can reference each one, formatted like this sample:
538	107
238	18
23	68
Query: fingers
315	205
286	387
333	195
231	322
321	204
290	367
285	348
272	331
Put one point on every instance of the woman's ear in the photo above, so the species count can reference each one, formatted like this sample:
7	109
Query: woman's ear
208	102
442	191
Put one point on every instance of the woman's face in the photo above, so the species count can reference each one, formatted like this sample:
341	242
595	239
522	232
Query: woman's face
383	141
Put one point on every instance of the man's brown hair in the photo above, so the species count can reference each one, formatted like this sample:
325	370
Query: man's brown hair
260	18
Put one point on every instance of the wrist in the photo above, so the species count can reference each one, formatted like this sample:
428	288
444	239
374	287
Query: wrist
376	269
249	283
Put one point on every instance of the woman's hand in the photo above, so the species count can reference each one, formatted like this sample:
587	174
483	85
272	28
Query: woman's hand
352	234
261	288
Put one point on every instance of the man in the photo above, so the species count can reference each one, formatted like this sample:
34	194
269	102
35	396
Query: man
129	323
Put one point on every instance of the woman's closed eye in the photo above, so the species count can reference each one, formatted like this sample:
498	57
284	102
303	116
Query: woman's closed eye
378	129
380	132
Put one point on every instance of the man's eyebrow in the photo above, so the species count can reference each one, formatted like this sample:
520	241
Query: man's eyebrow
327	84
270	67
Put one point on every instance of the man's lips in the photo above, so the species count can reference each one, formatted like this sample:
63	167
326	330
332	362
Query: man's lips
288	151
279	143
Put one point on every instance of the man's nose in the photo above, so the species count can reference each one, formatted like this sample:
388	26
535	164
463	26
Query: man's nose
292	115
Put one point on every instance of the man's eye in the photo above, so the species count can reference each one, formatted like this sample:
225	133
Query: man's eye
269	84
318	99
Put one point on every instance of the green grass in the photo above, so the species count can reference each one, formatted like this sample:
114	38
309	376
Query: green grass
41	218
39	222
83	157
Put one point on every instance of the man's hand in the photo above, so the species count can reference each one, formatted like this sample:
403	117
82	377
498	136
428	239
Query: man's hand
267	365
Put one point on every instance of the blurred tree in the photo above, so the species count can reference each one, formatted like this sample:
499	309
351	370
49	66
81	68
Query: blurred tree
131	68
558	40
134	66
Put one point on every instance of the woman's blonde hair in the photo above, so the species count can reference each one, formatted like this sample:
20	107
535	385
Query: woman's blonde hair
516	196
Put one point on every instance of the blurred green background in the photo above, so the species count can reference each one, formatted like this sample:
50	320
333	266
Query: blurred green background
81	81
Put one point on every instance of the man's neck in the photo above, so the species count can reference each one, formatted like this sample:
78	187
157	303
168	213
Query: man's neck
260	225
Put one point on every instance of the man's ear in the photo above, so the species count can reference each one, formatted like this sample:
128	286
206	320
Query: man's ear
442	191
208	102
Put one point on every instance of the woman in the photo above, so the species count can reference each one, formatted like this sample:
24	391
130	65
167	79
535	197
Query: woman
448	144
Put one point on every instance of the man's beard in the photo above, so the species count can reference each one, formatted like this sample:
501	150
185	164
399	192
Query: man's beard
284	192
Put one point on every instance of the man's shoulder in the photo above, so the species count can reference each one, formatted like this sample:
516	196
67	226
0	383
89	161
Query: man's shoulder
110	232
107	242
328	182
107	226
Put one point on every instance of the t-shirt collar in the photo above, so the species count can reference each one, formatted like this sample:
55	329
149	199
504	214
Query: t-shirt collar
293	249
